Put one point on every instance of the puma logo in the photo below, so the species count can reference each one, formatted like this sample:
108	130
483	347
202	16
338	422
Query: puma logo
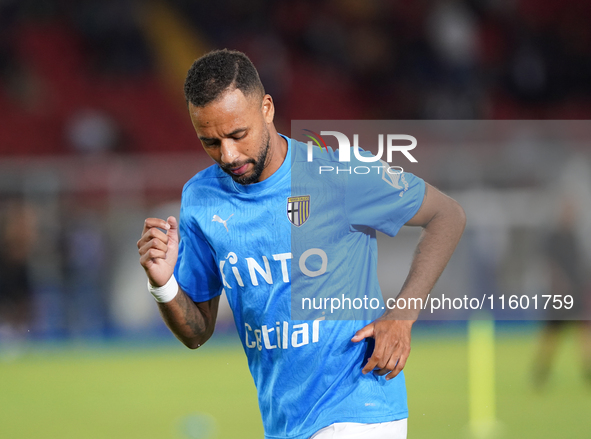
216	218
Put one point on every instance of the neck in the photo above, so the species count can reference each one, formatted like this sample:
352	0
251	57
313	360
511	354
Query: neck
276	154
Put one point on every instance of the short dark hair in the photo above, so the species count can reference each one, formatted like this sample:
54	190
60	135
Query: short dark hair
217	71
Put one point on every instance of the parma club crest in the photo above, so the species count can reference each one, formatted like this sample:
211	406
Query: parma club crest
298	209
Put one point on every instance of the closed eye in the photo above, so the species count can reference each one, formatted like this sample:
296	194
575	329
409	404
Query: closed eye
210	143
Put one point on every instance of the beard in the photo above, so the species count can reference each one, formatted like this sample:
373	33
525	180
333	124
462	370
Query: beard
259	165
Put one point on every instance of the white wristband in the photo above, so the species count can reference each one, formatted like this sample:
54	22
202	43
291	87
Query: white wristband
166	292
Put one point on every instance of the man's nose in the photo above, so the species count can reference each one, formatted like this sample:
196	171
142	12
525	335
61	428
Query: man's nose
229	151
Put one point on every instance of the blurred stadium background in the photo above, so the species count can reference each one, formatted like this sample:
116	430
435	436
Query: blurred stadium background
95	137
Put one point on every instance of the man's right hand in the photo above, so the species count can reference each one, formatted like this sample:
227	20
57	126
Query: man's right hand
158	250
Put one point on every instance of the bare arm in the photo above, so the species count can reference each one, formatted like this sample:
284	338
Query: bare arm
443	221
191	322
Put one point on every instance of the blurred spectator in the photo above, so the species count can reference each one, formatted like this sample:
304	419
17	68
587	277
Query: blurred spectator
85	265
92	131
564	256
18	235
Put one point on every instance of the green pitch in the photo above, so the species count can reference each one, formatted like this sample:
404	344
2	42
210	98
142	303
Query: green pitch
123	391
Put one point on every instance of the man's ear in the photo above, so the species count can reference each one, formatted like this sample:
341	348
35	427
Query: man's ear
268	109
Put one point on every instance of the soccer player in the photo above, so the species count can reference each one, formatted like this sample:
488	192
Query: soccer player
261	226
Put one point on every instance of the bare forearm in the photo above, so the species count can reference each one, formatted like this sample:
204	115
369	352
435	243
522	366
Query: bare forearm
190	324
437	243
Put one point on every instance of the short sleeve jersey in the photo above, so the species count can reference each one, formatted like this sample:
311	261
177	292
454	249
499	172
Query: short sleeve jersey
299	235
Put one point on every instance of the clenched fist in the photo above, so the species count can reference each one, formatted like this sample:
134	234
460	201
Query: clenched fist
158	250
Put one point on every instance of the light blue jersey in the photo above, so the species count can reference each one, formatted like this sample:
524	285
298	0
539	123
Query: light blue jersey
274	244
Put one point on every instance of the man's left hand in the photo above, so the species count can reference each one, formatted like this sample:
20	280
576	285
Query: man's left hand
392	345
